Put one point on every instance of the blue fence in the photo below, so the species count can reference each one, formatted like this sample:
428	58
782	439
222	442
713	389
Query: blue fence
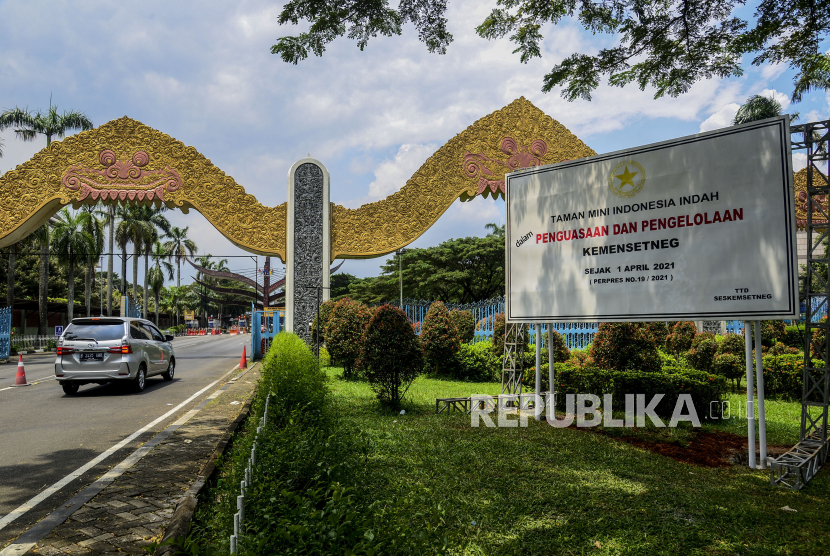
577	334
5	331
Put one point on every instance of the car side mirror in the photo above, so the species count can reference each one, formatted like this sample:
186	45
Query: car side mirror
168	338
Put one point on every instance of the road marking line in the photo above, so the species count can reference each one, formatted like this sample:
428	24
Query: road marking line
37	381
46	493
45	526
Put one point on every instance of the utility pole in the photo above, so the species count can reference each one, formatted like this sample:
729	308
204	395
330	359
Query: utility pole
399	253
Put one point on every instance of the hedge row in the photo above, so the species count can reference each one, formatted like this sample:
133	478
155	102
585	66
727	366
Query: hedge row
307	496
703	387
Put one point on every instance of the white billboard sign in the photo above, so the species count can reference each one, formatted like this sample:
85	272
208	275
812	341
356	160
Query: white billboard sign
700	227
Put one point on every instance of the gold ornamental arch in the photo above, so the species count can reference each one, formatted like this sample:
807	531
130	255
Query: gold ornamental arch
125	161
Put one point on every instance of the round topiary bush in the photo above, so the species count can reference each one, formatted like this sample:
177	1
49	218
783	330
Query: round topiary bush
390	355
325	312
499	329
772	331
624	346
465	323
703	351
561	353
344	333
439	338
680	339
731	366
660	330
733	344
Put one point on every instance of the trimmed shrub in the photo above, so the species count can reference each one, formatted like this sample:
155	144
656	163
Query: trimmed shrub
561	353
325	358
783	376
704	349
733	344
465	324
579	380
390	355
817	344
780	349
730	366
793	337
344	333
581	359
680	339
660	330
499	330
621	346
772	331
439	339
476	362
325	312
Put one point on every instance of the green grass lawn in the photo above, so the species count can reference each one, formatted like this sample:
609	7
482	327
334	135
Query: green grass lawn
541	490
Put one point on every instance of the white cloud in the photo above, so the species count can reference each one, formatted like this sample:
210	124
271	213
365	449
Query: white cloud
721	118
783	99
391	175
799	161
771	72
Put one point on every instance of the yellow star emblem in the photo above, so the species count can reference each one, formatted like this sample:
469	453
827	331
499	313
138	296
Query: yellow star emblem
626	178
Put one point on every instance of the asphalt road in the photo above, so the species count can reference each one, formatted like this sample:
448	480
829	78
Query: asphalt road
46	435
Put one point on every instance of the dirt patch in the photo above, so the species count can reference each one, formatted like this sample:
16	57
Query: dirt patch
704	448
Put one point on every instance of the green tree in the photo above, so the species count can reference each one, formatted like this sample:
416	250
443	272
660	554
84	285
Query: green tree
665	44
180	246
390	354
71	242
155	222
28	126
757	108
439	338
161	267
459	270
339	284
95	228
344	332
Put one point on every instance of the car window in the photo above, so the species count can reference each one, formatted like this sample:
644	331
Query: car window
153	332
138	333
100	331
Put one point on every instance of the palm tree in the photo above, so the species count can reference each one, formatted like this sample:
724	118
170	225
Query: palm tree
757	108
51	124
95	228
29	126
130	229
161	266
177	298
179	246
495	229
70	239
156	221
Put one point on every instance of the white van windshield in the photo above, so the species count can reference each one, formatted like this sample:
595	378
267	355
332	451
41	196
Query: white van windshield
100	331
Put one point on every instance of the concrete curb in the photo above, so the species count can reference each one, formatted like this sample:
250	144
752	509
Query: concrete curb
185	508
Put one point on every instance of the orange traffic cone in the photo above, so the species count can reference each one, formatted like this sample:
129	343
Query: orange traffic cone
243	363
20	379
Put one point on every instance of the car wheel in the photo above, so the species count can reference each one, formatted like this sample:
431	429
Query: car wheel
171	369
70	388
140	379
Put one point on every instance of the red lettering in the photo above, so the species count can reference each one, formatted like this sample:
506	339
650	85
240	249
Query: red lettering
661	223
604	231
706	218
544	238
726	216
717	217
588	233
582	233
617	229
538	237
672	222
738	214
688	222
698	219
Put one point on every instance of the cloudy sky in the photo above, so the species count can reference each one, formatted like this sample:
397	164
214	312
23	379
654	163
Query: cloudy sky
203	73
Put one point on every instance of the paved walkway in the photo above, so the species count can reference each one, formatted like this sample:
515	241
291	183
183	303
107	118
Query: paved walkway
135	509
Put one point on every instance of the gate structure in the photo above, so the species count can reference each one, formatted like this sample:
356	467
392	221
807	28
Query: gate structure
266	325
798	466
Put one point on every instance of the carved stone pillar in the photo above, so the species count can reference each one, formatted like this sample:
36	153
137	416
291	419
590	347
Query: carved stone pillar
308	242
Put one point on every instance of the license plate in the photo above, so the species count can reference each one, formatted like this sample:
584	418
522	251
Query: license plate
92	357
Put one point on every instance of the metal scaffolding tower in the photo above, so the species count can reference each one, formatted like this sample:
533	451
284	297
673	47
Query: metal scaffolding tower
514	363
798	466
